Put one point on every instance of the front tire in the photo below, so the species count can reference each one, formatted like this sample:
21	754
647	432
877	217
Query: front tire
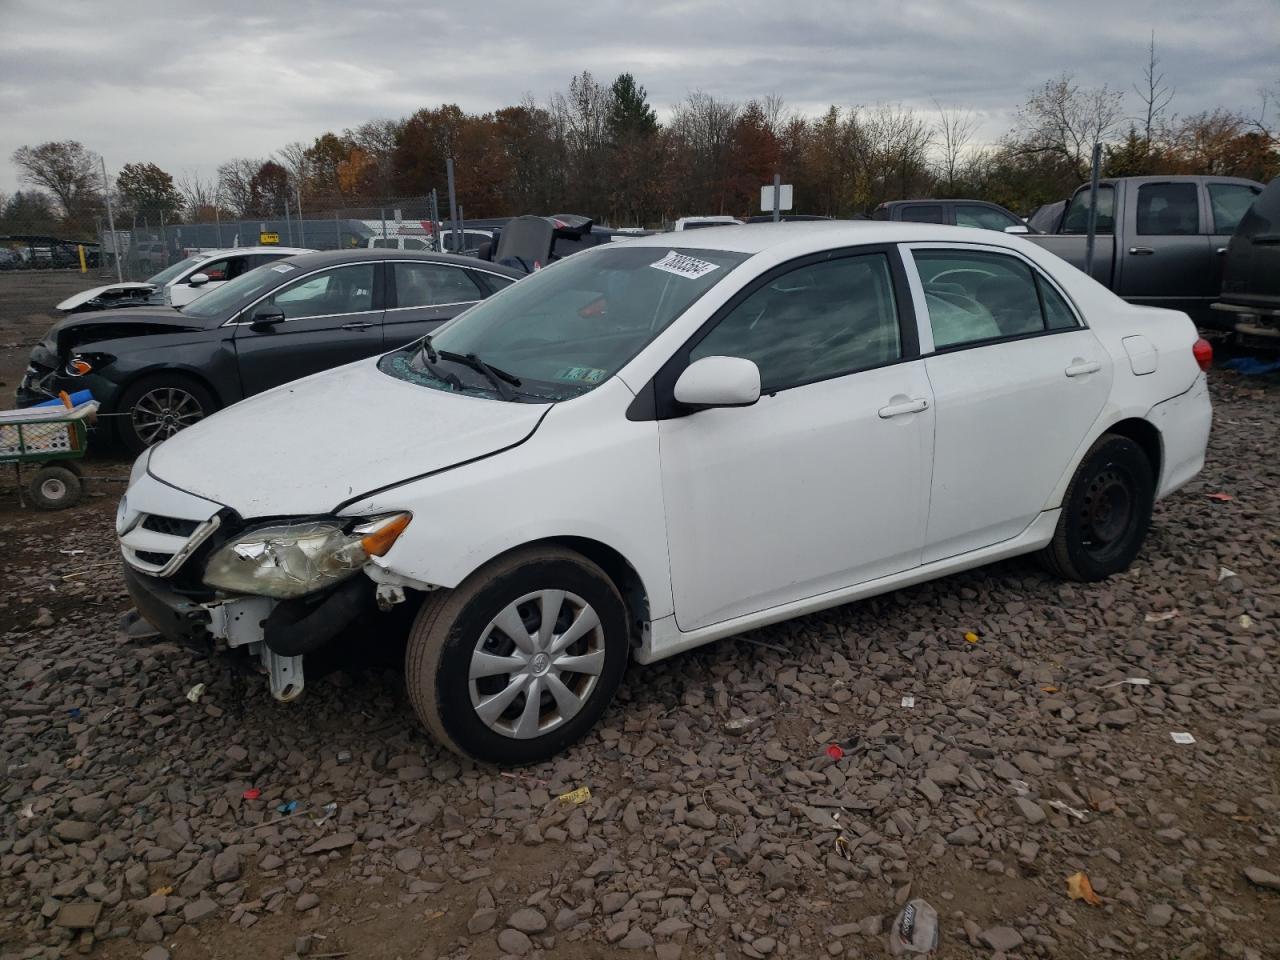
521	659
156	408
1105	513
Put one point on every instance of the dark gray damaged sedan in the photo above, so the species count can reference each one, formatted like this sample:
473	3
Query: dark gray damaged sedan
164	369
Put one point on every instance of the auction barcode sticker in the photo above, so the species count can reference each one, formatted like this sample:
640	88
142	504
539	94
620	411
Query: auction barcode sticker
683	265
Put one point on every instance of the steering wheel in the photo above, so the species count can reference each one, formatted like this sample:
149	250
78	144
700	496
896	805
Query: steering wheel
984	274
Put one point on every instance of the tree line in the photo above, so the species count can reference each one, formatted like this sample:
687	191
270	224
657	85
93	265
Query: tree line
600	149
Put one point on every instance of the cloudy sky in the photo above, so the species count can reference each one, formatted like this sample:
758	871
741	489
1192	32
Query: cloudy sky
189	85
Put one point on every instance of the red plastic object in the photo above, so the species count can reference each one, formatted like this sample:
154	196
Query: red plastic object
834	751
253	793
1202	350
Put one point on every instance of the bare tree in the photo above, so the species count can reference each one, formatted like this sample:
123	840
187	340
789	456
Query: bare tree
199	194
703	127
293	157
1153	93
952	132
898	141
235	183
1062	118
776	114
67	169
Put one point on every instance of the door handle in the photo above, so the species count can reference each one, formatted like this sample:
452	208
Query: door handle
916	405
1080	368
1221	251
1141	251
357	325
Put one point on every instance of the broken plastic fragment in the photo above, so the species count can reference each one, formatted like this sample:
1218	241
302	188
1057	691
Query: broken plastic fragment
1066	808
1079	888
581	795
1225	574
908	701
971	637
1160	616
915	930
1183	738
287	808
1220	497
1245	620
1132	681
253	793
195	693
329	810
835	752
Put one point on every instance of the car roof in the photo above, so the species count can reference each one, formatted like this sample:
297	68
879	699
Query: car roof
328	258
229	251
810	236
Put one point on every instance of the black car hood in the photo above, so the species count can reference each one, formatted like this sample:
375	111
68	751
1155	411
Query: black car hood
117	324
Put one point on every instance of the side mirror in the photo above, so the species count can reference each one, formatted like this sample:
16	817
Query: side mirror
266	318
198	279
1016	228
719	382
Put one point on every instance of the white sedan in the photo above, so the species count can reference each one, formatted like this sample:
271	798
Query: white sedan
179	283
652	445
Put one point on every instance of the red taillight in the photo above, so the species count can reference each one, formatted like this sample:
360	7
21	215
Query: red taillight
1202	350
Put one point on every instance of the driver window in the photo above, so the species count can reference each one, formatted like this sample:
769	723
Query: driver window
819	321
974	297
337	291
218	270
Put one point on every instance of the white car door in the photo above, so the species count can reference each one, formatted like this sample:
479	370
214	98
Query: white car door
824	482
1017	382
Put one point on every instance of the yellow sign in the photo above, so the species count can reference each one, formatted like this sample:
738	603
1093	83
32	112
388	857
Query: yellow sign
266	239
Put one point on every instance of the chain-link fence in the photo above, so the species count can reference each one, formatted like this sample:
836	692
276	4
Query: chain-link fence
145	245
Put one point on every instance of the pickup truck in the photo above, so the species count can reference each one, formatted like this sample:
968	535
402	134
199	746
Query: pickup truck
1161	241
961	213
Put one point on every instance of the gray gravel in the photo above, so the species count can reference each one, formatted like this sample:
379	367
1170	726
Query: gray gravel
719	825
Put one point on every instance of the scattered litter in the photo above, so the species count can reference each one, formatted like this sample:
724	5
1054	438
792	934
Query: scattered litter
1068	809
27	812
843	848
1245	620
1225	574
71	553
253	793
1020	787
1220	497
762	643
329	810
1131	681
74	713
915	930
434	915
1079	888
162	891
971	637
344	757
288	807
195	693
525	779
908	701
581	795
1049	689
1251	366
1183	738
835	752
740	725
1160	616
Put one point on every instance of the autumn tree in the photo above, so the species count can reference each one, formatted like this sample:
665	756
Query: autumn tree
148	192
269	190
68	170
234	180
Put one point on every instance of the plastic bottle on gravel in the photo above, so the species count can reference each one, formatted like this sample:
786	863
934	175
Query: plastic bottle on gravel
915	930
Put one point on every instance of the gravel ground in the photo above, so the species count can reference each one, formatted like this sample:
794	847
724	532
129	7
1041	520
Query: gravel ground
718	824
27	298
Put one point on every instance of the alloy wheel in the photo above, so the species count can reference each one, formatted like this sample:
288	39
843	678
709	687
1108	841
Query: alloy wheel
162	412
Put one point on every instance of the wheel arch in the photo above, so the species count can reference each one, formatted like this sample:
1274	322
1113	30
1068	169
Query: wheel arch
1147	436
190	373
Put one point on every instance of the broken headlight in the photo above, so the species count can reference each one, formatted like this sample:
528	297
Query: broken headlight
297	559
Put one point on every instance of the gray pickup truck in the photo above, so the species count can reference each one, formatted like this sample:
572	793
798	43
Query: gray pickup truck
1161	241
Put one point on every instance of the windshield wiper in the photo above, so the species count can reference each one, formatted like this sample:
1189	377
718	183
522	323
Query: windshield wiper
429	350
495	375
434	358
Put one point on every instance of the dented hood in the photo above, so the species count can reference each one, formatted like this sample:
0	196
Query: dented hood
84	296
308	446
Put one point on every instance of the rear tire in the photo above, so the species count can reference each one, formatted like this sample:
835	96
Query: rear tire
157	407
1105	513
54	488
470	681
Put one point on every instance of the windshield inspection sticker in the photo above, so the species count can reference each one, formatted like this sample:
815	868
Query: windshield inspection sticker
581	374
684	266
283	267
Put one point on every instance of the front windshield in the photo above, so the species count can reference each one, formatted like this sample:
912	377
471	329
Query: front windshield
566	329
234	293
175	271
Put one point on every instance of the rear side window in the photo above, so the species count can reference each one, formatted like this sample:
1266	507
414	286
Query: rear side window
1229	203
922	213
1168	210
973	215
976	297
491	281
816	322
430	284
1076	219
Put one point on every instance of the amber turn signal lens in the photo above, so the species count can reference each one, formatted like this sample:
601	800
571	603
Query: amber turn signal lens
380	541
79	366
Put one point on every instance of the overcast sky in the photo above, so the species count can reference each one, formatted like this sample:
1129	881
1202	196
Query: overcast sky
144	81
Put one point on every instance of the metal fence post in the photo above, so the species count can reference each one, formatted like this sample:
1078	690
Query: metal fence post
453	205
337	232
1093	211
297	196
111	221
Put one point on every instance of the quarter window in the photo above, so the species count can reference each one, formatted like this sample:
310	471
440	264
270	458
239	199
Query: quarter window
975	297
428	284
1230	202
336	291
813	323
922	213
1168	209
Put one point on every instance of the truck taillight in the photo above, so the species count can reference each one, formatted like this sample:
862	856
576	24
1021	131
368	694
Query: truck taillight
1202	350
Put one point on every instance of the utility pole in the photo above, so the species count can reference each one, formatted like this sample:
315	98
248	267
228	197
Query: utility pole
111	222
1093	210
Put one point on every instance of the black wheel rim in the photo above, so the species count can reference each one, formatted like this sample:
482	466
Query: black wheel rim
1106	512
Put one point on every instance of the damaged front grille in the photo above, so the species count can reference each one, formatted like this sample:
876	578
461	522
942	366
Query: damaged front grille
173	526
159	545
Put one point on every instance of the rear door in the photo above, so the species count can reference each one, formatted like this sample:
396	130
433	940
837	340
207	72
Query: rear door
1165	259
1017	383
422	295
1227	203
332	316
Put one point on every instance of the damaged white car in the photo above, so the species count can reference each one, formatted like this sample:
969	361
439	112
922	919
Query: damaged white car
652	445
